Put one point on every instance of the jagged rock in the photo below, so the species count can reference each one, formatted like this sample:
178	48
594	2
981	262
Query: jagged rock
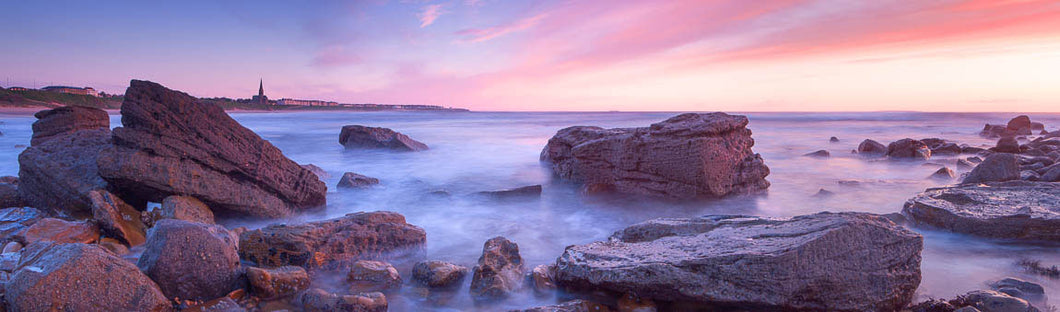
191	261
59	231
354	180
80	277
371	275
820	153
64	120
996	167
277	282
13	221
519	192
186	208
687	156
57	175
173	144
943	174
116	218
357	136
577	305
823	193
362	235
908	148
824	261
438	274
1014	209
319	300
320	172
871	147
964	164
543	279
499	270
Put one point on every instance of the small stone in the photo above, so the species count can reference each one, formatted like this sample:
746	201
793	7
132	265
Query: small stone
438	274
186	208
820	154
577	305
823	193
943	174
369	275
499	271
833	140
871	147
277	282
60	231
319	300
519	192
116	218
543	278
353	180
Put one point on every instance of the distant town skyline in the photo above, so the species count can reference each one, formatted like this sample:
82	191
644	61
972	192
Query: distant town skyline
593	55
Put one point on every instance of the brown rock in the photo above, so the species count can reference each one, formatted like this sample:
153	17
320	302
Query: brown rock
499	271
362	235
543	278
13	221
277	282
114	246
687	156
633	303
1019	123
117	219
173	144
871	147
57	175
438	274
59	231
318	300
186	208
908	148
819	154
191	261
65	120
996	167
320	172
353	180
943	174
357	136
1007	145
370	275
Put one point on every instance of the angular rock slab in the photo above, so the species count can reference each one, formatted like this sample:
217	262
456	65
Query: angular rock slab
824	261
58	174
687	156
173	144
67	119
1011	210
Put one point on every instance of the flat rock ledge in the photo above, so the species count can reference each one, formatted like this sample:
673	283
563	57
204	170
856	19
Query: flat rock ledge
824	261
685	157
1020	210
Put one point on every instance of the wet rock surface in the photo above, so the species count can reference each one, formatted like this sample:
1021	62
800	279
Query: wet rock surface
186	208
57	175
996	167
354	180
117	219
908	149
15	220
357	136
523	192
687	156
64	120
577	305
277	282
191	261
319	300
166	147
438	274
362	235
59	231
833	261
499	271
871	147
371	275
1013	210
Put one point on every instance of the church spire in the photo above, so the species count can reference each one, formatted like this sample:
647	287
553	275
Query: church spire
261	88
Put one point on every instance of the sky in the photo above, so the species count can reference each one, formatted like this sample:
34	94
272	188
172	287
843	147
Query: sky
589	55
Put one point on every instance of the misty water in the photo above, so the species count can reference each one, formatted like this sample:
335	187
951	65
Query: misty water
481	151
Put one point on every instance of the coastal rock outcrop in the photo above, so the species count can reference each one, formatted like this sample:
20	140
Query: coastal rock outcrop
996	167
1012	210
191	261
687	156
67	119
172	144
499	270
80	277
362	235
824	261
57	173
357	136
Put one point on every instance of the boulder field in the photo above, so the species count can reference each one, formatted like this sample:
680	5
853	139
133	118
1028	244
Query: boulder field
685	157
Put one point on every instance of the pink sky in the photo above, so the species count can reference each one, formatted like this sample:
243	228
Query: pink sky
769	55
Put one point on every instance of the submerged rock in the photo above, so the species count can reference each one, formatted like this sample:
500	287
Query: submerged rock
357	136
824	261
362	235
58	174
354	180
499	270
908	148
191	261
319	300
80	277
871	147
996	167
438	274
519	192
687	156
1014	209
277	282
1033	293
173	144
64	120
943	174
820	154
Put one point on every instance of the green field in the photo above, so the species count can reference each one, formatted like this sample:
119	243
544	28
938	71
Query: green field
39	98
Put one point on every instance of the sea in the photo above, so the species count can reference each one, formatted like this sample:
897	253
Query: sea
485	151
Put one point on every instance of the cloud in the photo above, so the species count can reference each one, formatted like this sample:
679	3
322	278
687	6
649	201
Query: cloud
429	14
334	56
474	35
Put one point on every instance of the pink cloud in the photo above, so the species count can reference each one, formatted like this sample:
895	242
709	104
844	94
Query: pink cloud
335	56
429	14
476	35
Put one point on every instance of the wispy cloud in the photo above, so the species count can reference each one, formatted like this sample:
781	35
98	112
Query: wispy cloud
333	56
475	35
429	14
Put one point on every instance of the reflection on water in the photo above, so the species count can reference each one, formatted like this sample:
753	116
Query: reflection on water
473	152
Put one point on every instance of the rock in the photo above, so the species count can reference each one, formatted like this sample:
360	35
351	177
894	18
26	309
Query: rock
1029	175
57	175
223	304
577	305
438	274
519	192
870	147
80	277
946	149
687	156
971	150
191	261
825	261
353	180
823	193
59	231
542	278
833	140
9	196
633	303
320	172
1037	126
1012	210
908	148
357	136
992	301
173	144
820	153
1020	123
13	221
319	300
1052	174
370	275
1007	145
1033	293
186	208
362	235
996	167
967	309
64	120
114	246
963	164
943	174
117	219
12	247
499	271
277	282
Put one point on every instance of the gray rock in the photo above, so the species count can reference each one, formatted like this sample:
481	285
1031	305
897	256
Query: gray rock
908	149
996	167
824	261
1013	210
499	271
354	180
871	147
819	154
943	174
192	261
357	136
438	274
319	300
57	175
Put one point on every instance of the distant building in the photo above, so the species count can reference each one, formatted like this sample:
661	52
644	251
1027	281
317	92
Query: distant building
296	102
71	90
260	98
17	89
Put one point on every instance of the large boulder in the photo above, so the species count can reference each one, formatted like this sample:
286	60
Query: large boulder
996	167
172	144
1013	210
909	149
60	121
357	136
687	156
499	271
80	277
824	261
362	235
192	261
871	147
58	174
